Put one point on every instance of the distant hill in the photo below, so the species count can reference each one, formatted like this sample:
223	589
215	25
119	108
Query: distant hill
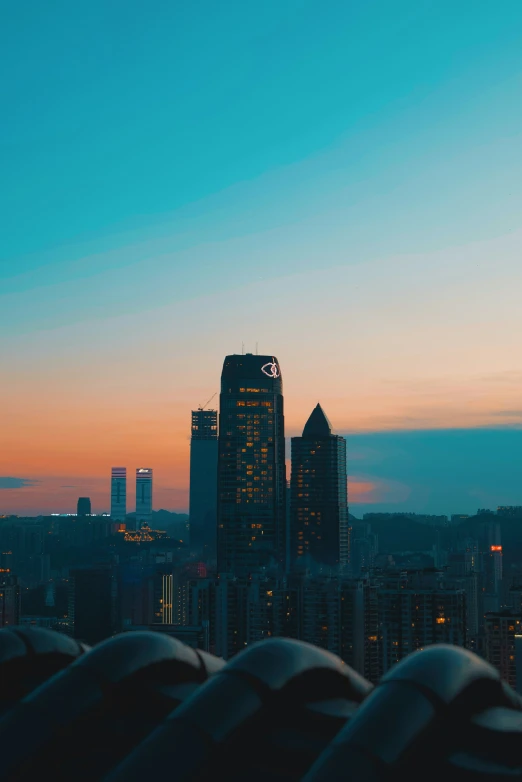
164	516
510	531
401	533
167	516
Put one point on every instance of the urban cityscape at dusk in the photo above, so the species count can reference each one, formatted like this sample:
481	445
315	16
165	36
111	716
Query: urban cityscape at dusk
261	420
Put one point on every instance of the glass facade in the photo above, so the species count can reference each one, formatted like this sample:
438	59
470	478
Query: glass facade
251	465
143	494
119	493
318	495
203	483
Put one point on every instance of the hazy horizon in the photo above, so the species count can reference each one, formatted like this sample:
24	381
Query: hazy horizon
431	471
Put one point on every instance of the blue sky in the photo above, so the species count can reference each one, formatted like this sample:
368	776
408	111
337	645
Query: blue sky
438	471
119	114
340	183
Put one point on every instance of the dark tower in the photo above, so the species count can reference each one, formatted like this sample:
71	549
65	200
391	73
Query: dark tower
318	495
92	596
143	495
203	483
119	493
84	506
10	600
251	465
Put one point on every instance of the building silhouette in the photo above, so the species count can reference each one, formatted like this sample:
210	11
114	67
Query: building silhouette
336	613
92	604
119	493
143	495
243	612
83	507
502	629
203	483
415	610
251	465
363	548
318	495
10	600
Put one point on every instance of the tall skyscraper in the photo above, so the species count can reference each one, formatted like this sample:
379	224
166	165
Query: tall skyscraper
203	483
318	495
83	507
143	495
119	493
251	465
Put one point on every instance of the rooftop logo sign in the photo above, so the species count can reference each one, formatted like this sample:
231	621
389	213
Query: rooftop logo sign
271	369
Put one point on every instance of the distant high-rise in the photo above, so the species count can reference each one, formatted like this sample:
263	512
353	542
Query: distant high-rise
415	610
10	601
203	483
83	507
143	495
251	465
318	494
502	630
336	613
92	603
119	493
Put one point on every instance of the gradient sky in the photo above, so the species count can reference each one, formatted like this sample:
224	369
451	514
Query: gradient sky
338	182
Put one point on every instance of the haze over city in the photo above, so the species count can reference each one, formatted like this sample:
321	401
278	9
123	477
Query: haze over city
342	189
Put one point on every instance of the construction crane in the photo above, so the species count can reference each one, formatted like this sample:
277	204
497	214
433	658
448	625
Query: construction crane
202	407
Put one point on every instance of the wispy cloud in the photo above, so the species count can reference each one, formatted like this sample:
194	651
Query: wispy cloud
513	377
16	483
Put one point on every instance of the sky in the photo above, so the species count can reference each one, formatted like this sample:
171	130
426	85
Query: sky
337	183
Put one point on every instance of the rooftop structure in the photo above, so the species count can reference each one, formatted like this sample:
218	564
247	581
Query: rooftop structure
144	705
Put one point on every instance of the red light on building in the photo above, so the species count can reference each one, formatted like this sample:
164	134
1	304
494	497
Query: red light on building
496	548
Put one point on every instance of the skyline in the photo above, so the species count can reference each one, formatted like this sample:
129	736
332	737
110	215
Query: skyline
437	471
342	188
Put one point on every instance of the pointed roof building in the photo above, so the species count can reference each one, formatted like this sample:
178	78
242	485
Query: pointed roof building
318	496
318	424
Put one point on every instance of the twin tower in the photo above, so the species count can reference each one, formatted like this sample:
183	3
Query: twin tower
260	522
